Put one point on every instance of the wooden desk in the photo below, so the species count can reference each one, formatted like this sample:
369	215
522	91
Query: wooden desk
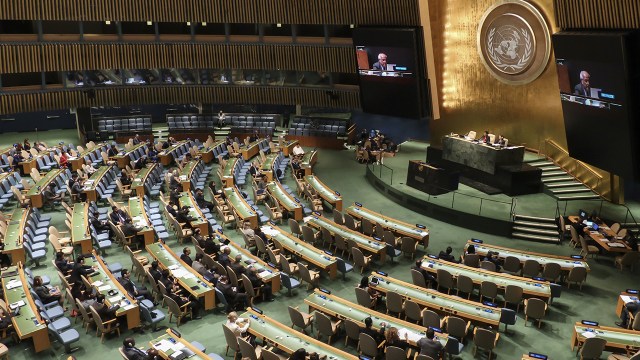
207	154
287	147
169	338
363	242
141	178
602	236
328	195
29	164
308	160
398	227
439	302
267	166
123	159
14	236
200	222
303	250
187	173
251	150
35	193
241	208
90	187
28	324
188	278
140	219
80	235
289	340
167	155
530	287
617	338
106	281
228	171
566	263
337	307
288	203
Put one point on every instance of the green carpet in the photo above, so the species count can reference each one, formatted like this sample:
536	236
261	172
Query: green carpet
339	170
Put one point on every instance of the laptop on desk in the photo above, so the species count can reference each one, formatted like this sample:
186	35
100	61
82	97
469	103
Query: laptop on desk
391	67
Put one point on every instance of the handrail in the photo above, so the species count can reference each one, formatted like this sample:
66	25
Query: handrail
381	166
585	166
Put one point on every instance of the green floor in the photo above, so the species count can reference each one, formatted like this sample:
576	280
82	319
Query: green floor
338	169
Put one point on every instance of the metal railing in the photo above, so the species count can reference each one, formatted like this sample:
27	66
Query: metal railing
456	199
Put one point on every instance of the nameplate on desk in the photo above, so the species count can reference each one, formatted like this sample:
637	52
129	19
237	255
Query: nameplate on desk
631	291
419	179
537	356
590	323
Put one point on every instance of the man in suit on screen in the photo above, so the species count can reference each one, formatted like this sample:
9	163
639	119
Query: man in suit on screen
584	87
381	65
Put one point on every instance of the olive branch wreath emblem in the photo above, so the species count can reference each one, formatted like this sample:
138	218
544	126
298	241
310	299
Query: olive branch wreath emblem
522	62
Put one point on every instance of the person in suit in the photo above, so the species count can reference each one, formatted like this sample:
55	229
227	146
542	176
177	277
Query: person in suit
113	151
118	216
223	258
237	267
381	65
198	266
183	217
197	236
105	312
447	256
430	347
170	208
492	256
584	87
133	290
136	139
50	196
128	229
46	294
174	291
154	271
125	179
430	279
630	308
63	264
377	335
79	270
231	294
100	226
174	196
210	247
202	202
140	163
75	187
186	252
485	139
500	140
265	288
131	351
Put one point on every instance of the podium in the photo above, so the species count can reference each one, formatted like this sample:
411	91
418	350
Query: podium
430	179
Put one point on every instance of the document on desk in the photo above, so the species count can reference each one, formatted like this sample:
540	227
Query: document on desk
413	337
177	346
188	275
264	273
589	334
16	304
615	244
114	299
14	284
179	273
163	345
627	299
97	283
104	288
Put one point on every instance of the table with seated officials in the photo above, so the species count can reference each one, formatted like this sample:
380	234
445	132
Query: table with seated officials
189	279
286	146
90	187
480	156
606	238
140	219
337	307
35	193
243	211
123	158
417	231
187	173
625	297
288	340
27	322
531	287
289	203
172	345
302	250
441	303
200	221
80	235
114	294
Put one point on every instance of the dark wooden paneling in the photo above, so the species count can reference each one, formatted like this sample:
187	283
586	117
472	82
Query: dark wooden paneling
597	14
125	95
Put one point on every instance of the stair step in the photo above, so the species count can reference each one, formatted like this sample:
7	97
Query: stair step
578	197
561	185
535	218
553	173
556	179
549	168
547	239
528	230
545	225
570	191
540	162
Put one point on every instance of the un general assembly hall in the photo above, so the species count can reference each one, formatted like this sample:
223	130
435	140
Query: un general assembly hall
319	179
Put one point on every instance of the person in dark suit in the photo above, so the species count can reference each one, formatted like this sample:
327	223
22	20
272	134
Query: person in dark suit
202	202
265	288
381	65
183	217
131	351
223	258
128	229
174	196
584	87
136	139
79	270
49	195
100	226
133	290
485	139
174	291
377	335
231	294
430	279
46	294
197	236
630	308
118	216
211	247
105	312
75	187
237	267
63	264
446	255
186	252
492	256
500	140
125	179
154	271
171	210
113	151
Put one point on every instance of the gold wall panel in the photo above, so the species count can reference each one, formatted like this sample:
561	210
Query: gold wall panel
359	12
471	99
171	94
20	58
597	14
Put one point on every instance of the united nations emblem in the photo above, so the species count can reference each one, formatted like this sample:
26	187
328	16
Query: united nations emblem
514	42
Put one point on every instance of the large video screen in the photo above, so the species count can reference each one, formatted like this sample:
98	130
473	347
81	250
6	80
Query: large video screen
391	72
593	76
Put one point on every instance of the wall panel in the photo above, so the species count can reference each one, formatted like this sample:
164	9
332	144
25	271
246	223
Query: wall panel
597	14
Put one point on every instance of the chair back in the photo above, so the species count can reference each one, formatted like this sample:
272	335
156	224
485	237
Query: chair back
431	319
358	258
485	339
341	244
464	284
394	353
296	317
408	245
456	327
230	337
513	294
174	308
551	271
308	234
489	289
535	308
577	274
531	268
389	238
248	286
323	323
363	298
304	273
418	278
295	227
367	227
444	278
368	345
98	320
615	227
337	217
352	329
472	260
593	348
394	302
247	350
488	265
412	310
350	222
233	278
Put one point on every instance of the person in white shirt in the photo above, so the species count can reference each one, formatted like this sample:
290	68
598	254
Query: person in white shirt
238	325
298	150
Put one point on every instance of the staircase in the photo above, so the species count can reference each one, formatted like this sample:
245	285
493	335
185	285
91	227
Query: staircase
559	184
160	133
535	228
